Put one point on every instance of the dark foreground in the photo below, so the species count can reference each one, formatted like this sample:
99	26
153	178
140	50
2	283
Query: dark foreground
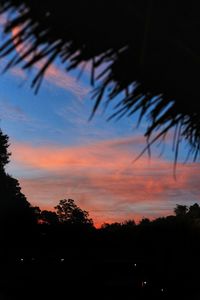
96	274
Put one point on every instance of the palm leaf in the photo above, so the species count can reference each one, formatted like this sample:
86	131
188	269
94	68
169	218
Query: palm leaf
153	44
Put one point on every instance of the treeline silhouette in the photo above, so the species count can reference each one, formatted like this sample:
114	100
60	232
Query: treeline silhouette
49	254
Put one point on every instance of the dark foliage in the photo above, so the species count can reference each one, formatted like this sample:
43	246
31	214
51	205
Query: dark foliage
155	259
15	209
149	50
69	213
4	154
17	217
48	217
181	210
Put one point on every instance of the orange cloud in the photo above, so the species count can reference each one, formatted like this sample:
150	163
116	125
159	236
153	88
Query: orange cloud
103	180
59	158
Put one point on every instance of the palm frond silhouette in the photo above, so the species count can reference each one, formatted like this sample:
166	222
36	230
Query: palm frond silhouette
147	49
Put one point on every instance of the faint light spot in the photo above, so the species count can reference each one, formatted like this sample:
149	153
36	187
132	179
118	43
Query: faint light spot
144	283
21	259
135	265
62	259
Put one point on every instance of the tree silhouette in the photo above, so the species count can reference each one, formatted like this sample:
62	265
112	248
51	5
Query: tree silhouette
69	213
134	50
17	216
49	217
194	211
4	154
181	210
129	224
144	222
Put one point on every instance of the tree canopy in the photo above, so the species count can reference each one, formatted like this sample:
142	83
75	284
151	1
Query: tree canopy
16	213
181	210
146	52
69	213
4	154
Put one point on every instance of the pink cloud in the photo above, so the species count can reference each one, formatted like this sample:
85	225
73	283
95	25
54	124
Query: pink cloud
53	75
59	158
63	80
102	179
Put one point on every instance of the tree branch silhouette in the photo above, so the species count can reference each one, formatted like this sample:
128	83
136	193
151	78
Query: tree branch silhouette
148	50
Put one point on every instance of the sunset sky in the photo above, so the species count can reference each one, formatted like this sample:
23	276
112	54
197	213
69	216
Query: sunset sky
57	153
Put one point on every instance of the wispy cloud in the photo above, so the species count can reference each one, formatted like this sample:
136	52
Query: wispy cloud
54	75
18	72
103	180
12	112
65	81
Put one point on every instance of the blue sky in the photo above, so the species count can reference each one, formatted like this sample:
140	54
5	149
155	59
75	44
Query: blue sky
57	153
